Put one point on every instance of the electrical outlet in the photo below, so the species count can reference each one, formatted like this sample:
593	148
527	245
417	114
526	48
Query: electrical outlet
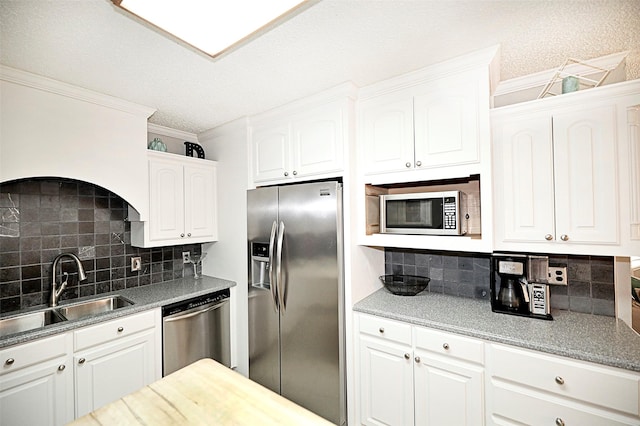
136	264
186	256
558	275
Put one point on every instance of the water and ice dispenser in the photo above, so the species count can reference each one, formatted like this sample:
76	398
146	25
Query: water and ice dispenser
260	265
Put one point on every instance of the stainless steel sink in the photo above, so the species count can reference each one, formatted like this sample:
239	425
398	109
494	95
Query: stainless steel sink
92	307
26	322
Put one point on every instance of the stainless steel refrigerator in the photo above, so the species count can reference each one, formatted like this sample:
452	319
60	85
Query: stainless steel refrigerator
296	312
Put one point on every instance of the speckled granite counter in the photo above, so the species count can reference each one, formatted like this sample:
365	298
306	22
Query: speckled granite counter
594	338
144	298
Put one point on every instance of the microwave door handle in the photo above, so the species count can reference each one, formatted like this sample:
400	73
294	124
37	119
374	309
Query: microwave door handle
272	265
281	282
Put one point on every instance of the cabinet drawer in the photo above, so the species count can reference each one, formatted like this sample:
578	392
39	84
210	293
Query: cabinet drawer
112	330
608	387
386	329
451	345
31	353
524	406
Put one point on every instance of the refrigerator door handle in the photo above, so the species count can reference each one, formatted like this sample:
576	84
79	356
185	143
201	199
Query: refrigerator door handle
272	261
281	283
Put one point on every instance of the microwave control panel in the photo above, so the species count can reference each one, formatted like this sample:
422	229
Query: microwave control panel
449	208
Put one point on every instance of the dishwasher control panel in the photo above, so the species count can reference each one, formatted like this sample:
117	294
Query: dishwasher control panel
188	304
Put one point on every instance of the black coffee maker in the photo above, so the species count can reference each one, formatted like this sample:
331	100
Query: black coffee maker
510	292
507	294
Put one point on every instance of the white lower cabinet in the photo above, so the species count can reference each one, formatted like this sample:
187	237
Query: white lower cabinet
114	359
412	375
527	387
36	383
71	374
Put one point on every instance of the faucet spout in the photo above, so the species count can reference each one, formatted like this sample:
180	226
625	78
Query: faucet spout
55	291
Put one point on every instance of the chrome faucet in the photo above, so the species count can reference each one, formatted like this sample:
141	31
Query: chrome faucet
55	292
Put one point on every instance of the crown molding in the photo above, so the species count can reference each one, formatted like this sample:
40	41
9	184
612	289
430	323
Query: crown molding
50	85
172	133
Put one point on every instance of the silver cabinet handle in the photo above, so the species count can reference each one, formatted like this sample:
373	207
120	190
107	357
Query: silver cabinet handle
61	367
407	356
418	163
548	237
559	421
182	235
417	359
120	329
9	361
407	164
381	329
295	173
281	284
445	346
286	174
559	380
564	237
189	234
81	361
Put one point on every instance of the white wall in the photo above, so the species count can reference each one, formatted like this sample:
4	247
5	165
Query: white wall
227	258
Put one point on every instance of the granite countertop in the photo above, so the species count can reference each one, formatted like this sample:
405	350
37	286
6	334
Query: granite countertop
144	298
600	339
203	393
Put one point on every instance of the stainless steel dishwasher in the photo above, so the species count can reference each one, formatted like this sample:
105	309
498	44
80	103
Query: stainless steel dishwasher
194	329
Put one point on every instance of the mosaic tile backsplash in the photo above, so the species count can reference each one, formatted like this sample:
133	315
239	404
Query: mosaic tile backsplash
589	289
41	218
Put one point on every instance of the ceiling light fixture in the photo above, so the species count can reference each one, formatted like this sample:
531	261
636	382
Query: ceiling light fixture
212	26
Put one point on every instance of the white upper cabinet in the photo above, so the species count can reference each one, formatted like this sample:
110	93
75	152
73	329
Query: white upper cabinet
182	202
303	140
561	173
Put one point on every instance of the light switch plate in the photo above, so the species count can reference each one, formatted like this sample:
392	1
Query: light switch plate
136	264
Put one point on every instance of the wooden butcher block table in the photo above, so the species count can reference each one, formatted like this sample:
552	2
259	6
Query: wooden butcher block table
203	393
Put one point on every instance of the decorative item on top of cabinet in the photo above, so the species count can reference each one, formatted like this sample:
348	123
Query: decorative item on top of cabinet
562	174
303	140
190	148
182	202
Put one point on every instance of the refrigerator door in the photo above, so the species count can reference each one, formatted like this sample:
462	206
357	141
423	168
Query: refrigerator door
264	328
311	311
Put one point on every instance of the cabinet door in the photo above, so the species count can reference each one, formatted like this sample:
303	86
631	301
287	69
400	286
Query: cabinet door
447	393
586	183
113	370
446	123
386	383
200	201
38	395
166	200
318	142
524	189
387	133
271	152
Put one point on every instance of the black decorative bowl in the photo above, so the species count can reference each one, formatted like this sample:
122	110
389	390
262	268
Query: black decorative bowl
404	285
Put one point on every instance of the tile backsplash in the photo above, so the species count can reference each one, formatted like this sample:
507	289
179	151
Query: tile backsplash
41	218
589	289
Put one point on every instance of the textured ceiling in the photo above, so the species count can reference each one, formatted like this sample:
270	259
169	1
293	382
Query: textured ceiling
92	44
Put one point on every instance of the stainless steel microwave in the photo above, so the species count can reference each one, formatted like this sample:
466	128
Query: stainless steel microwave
423	213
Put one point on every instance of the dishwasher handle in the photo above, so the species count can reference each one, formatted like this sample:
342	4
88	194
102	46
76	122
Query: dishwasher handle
177	317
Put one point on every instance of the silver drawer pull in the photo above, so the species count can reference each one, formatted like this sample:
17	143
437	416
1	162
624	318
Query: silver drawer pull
407	356
559	421
81	361
381	329
408	165
9	361
120	329
418	163
564	237
548	237
61	367
445	346
559	380
417	359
